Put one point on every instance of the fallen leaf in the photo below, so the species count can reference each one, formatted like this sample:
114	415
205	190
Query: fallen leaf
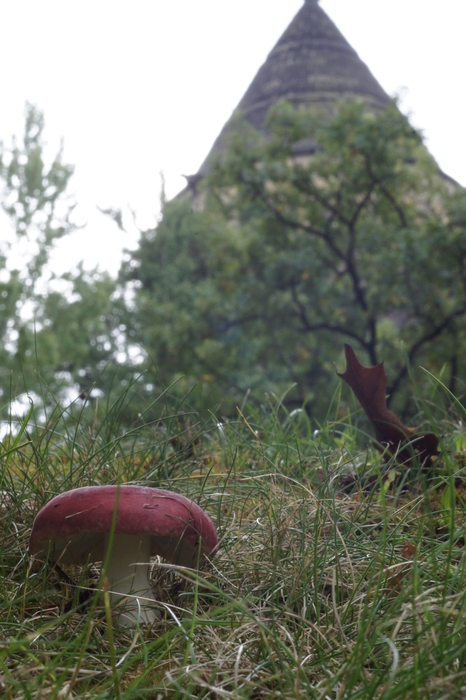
408	552
369	385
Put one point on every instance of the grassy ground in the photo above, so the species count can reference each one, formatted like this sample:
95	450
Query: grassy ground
320	588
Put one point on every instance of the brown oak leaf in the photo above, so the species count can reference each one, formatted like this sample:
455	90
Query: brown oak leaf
369	385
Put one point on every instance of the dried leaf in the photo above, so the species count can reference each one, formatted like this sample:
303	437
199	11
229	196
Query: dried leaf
408	552
369	385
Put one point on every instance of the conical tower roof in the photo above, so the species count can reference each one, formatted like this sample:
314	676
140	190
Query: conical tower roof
311	64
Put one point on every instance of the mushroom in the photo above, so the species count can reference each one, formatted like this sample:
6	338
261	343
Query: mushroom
77	527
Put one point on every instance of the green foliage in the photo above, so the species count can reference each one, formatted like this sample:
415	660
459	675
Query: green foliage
290	255
74	338
177	272
34	194
57	334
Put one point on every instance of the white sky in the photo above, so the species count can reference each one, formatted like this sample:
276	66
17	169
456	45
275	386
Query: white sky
143	86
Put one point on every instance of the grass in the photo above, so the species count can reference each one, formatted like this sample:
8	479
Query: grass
320	588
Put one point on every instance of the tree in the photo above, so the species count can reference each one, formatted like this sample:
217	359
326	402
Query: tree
56	333
291	256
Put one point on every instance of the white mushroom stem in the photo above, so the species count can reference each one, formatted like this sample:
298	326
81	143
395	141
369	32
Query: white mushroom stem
128	572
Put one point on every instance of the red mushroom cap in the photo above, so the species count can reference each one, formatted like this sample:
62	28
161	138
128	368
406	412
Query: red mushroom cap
73	526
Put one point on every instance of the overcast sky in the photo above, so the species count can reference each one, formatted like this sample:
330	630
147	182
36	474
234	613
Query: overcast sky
143	87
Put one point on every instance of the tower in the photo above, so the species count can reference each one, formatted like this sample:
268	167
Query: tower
311	64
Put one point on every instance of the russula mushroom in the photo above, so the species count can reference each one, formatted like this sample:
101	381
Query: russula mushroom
76	528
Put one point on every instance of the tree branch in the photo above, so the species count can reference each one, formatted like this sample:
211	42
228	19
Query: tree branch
431	335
